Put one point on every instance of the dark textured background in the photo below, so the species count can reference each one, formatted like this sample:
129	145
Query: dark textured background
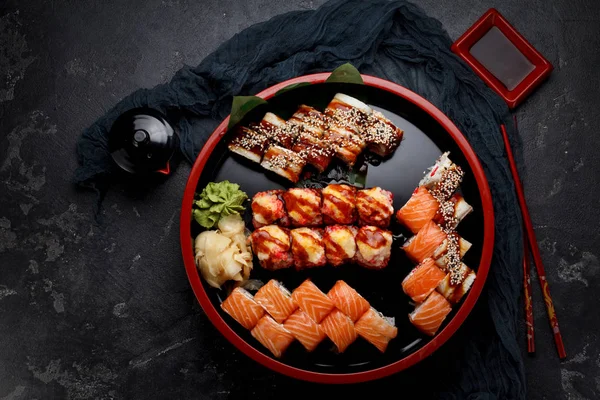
105	310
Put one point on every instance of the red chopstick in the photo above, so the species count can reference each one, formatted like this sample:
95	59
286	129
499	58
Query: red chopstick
537	258
527	296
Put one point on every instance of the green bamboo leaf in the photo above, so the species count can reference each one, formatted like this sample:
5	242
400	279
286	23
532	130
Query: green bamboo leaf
358	175
292	86
240	106
345	73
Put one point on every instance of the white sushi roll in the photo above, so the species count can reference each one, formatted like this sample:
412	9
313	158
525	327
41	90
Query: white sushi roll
440	255
435	173
353	102
455	292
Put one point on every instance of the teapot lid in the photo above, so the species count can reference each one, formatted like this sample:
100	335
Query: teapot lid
141	140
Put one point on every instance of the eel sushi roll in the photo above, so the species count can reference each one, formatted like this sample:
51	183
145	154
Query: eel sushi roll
376	329
375	207
303	206
316	150
310	119
339	328
304	329
440	255
425	242
444	177
268	208
242	307
348	301
454	291
381	135
422	207
339	204
340	244
283	162
307	248
249	144
422	280
272	245
272	335
312	301
373	247
428	316
276	300
276	130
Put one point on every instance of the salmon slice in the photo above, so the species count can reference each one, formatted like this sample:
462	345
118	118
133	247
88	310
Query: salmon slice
418	210
348	301
304	329
422	280
455	292
272	335
340	329
276	300
312	301
242	307
376	329
429	315
425	242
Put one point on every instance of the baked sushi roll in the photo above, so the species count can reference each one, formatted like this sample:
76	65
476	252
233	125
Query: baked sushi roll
283	162
307	248
339	204
310	119
272	335
303	206
376	329
428	316
312	301
249	144
348	301
268	208
276	130
373	247
375	207
305	330
316	151
454	290
339	328
276	300
422	280
443	178
272	246
340	244
381	135
242	307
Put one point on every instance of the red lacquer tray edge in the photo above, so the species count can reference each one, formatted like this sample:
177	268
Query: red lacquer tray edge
425	351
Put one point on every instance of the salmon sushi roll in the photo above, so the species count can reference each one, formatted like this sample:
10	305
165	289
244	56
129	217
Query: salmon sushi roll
307	248
339	328
339	204
348	301
242	307
304	329
272	246
375	207
272	335
428	316
454	291
441	254
276	300
421	208
276	130
381	135
340	244
283	162
310	119
249	144
425	242
422	280
303	206
268	208
376	329
444	177
315	150
312	301
374	247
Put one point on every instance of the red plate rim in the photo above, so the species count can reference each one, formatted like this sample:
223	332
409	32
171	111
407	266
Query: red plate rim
432	345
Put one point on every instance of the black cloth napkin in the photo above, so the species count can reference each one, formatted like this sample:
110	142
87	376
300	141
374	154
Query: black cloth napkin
393	40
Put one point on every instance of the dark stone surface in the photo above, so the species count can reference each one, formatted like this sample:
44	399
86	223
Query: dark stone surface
105	310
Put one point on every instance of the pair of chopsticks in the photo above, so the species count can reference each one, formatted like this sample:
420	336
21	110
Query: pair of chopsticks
530	243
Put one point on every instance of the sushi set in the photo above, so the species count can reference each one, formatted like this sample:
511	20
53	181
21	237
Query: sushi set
381	271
